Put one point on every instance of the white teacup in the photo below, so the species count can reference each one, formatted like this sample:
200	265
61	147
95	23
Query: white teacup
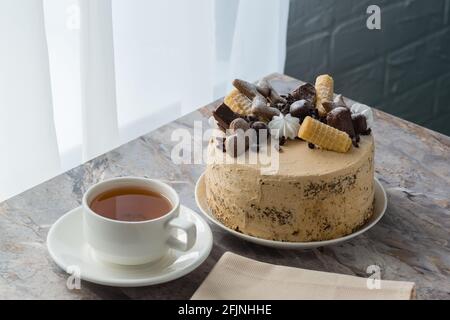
135	242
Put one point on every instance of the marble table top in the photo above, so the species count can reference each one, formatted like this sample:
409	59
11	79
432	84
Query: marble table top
410	243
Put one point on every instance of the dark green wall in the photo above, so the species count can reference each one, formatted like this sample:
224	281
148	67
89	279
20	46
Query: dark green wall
403	69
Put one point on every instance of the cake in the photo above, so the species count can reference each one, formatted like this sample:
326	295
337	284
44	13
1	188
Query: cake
321	188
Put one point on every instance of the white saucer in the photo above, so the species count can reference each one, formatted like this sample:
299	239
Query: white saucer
379	210
68	249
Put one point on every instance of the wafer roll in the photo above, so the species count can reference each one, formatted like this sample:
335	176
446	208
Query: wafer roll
238	102
324	136
324	90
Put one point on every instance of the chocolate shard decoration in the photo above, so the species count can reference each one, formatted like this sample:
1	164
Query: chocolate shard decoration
341	119
359	123
306	91
224	116
338	102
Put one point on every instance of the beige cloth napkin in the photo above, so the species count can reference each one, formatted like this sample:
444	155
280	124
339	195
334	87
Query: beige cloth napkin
236	277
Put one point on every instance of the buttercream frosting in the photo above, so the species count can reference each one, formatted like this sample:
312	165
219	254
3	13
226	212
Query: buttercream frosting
314	194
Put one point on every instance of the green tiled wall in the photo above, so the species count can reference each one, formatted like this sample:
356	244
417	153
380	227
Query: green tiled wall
403	69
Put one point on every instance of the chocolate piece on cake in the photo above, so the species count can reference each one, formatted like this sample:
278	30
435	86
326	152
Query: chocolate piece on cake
341	119
359	123
338	102
224	116
306	91
301	108
248	89
262	110
329	105
239	124
265	88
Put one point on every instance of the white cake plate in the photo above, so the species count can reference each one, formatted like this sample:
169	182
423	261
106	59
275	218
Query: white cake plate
379	210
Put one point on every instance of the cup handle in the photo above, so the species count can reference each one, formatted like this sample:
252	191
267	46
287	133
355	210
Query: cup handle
191	234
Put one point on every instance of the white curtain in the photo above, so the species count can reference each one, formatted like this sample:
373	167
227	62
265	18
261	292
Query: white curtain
79	77
28	146
98	92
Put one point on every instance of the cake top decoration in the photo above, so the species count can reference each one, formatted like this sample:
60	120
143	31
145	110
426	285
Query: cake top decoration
306	92
341	119
284	126
360	124
301	108
224	115
262	110
337	102
265	88
366	111
238	102
239	124
324	135
324	92
259	106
